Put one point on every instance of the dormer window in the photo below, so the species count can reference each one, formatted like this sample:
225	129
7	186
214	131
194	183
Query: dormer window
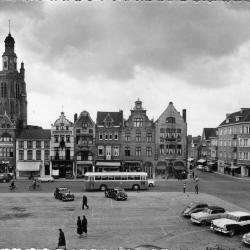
108	124
237	118
227	120
170	119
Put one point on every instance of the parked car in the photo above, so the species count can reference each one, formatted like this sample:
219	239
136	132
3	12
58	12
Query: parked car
200	167
63	193
46	179
208	168
5	177
246	239
207	215
234	222
116	193
151	182
194	207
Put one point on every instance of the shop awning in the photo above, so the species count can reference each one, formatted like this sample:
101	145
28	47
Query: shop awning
179	167
109	164
234	167
28	166
190	159
211	163
201	161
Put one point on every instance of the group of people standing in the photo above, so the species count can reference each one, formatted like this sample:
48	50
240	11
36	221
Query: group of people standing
82	226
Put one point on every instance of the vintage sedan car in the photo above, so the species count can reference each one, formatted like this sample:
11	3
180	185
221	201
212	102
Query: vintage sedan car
63	193
193	207
5	177
234	222
116	193
207	215
246	239
46	179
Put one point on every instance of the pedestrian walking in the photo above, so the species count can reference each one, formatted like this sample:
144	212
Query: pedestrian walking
84	202
196	184
193	174
79	226
61	240
84	225
184	187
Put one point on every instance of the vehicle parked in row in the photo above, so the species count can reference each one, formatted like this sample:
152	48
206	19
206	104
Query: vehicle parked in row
116	193
5	177
63	193
46	179
234	222
246	239
194	207
207	215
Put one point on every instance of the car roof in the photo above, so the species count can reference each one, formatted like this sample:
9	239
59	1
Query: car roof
63	188
197	203
239	213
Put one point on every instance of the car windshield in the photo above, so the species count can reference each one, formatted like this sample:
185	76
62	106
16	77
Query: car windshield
64	190
232	217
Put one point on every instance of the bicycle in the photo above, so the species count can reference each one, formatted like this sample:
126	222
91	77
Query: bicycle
12	188
36	187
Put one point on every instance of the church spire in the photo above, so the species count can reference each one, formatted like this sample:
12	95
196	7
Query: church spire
9	55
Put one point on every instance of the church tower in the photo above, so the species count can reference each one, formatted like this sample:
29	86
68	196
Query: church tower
13	97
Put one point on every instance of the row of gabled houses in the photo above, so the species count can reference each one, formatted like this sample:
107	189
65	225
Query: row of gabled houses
112	143
226	147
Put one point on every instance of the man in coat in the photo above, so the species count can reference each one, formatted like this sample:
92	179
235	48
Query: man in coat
84	225
61	240
84	202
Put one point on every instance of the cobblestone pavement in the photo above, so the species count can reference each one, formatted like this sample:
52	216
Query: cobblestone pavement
32	220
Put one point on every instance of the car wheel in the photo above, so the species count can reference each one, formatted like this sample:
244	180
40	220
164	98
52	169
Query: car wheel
103	187
231	232
203	223
4	181
150	185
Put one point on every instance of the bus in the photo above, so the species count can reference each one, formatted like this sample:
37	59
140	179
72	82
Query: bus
104	180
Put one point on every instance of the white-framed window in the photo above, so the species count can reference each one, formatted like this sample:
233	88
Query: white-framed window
106	136
116	151
149	137
138	136
138	122
149	151
100	136
161	149
138	151
116	135
100	151
110	136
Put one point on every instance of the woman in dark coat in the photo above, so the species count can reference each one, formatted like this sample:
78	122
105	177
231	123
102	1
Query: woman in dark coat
84	225
79	226
61	240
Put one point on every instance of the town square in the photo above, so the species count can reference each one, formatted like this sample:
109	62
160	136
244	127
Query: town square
124	125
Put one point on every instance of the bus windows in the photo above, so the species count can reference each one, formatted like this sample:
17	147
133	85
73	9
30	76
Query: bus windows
118	177
137	177
124	177
111	178
98	178
131	177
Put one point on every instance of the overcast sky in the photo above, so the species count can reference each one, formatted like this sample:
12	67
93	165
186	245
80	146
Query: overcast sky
103	55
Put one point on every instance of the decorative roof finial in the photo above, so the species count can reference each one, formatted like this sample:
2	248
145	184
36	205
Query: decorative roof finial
9	26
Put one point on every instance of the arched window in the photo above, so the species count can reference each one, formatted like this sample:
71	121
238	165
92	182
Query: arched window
170	119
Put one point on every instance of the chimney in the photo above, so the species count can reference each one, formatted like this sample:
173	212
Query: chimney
75	117
184	115
227	115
